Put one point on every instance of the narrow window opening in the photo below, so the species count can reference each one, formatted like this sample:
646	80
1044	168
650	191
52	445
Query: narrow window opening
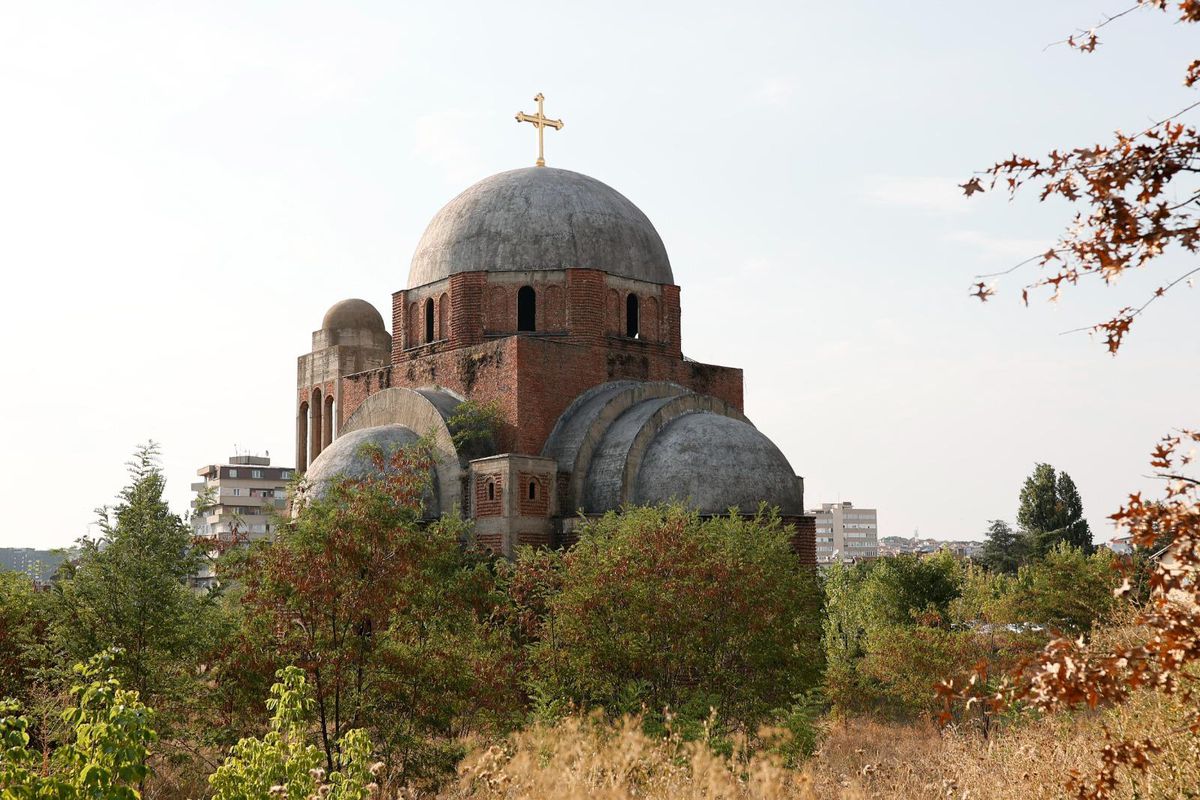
491	490
526	309
429	320
533	490
631	316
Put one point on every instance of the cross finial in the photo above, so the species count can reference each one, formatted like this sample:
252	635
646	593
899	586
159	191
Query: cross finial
541	122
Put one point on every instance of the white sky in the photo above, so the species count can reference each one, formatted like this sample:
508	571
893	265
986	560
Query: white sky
186	187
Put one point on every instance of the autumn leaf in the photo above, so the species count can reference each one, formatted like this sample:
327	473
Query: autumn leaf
971	187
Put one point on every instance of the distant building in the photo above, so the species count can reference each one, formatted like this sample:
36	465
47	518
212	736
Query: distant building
845	533
1121	545
39	565
236	503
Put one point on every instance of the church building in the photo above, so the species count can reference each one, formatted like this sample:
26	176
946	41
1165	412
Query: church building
549	294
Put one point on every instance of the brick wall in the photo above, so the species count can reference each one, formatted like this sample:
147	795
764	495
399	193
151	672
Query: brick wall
539	505
485	506
804	540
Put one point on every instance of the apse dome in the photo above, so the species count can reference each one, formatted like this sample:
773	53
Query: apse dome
540	218
349	456
352	314
714	463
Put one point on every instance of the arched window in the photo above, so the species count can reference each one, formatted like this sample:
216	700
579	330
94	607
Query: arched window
526	309
631	316
533	490
302	437
314	428
327	423
491	490
429	320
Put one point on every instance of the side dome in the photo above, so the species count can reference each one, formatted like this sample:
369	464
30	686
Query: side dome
352	314
347	457
714	463
540	218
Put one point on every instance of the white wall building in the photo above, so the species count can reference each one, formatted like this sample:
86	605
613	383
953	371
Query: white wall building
846	533
237	502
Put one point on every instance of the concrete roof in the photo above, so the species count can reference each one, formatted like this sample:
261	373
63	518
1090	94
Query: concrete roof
712	463
345	457
540	218
352	313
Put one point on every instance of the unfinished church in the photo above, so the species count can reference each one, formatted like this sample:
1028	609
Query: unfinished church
550	294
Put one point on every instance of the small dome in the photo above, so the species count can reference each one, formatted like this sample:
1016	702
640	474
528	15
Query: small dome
714	463
345	457
352	314
540	218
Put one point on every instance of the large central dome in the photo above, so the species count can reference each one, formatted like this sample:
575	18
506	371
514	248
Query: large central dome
540	218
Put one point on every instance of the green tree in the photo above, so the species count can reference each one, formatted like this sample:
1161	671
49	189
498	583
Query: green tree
105	755
657	608
24	622
1004	550
130	590
1067	590
1051	511
387	615
286	764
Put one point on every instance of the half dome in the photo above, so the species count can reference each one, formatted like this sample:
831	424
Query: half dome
540	218
713	463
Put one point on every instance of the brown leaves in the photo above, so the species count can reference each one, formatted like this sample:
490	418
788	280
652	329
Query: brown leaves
982	291
971	187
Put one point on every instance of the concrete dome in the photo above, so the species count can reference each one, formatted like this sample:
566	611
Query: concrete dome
353	313
713	463
539	218
345	457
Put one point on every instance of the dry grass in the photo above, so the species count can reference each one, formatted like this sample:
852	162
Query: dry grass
858	759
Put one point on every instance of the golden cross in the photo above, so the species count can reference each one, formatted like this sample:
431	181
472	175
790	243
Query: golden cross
542	122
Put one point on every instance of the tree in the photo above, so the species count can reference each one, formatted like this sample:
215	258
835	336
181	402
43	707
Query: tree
1051	511
1141	201
285	764
1067	590
105	755
1004	549
130	590
24	623
659	608
387	616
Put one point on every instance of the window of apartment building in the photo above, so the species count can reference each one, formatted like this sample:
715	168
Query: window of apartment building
233	473
285	474
236	491
256	473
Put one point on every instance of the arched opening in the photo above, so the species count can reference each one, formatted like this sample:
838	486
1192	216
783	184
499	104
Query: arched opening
444	317
429	320
327	419
314	428
526	309
491	490
533	490
302	438
631	316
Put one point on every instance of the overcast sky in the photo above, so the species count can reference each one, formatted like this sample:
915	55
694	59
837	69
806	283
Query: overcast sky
186	187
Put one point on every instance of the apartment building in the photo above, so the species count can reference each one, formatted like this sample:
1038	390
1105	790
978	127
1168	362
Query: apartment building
237	502
846	533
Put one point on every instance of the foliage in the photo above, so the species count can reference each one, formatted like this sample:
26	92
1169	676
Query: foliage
106	754
1003	548
1139	191
1051	511
1141	200
658	608
475	428
285	764
24	624
129	589
1066	591
386	615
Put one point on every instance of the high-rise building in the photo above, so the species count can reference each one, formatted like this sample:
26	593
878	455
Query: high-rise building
846	533
237	502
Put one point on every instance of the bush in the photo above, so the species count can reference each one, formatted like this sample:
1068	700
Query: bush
657	608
